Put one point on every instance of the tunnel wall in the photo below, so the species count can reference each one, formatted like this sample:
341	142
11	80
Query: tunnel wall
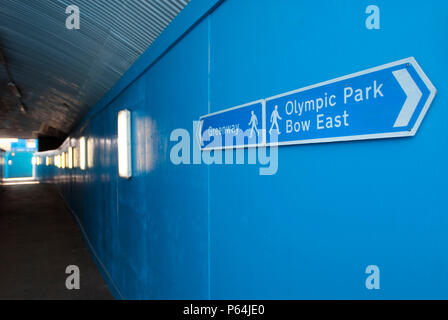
225	231
20	166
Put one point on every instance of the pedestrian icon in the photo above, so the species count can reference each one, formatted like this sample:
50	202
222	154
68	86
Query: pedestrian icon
274	117
254	123
240	126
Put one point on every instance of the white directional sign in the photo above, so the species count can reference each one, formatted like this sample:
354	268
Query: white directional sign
383	102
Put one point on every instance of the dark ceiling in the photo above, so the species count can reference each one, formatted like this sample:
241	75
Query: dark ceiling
51	76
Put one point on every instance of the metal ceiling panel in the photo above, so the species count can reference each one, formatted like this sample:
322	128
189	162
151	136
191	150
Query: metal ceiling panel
62	73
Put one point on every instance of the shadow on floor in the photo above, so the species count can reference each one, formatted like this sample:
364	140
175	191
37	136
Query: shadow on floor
39	238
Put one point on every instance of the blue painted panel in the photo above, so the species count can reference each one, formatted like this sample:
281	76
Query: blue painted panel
332	209
20	165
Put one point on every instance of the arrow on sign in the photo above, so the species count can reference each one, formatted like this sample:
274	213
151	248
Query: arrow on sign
383	102
413	96
387	101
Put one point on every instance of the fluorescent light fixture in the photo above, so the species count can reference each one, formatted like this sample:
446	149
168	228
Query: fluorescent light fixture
75	157
63	160
47	161
90	152
70	158
124	144
82	153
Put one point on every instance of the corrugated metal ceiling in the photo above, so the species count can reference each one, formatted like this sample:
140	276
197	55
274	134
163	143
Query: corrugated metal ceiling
62	73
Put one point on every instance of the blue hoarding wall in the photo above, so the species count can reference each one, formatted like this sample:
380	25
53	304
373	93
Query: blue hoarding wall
18	164
18	158
330	211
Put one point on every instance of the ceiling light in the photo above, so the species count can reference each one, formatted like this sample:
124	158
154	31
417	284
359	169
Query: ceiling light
22	108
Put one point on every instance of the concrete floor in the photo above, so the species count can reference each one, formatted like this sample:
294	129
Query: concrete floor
38	239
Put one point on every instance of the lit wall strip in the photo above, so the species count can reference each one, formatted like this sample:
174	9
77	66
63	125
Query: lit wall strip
70	158
63	159
82	153
124	144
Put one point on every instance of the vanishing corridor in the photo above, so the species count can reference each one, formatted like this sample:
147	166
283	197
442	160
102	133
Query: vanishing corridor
38	238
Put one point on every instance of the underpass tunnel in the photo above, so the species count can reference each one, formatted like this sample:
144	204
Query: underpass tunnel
223	149
57	60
